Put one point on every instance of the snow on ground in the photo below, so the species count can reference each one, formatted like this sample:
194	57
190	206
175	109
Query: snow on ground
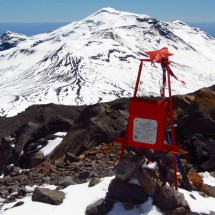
79	196
207	178
198	203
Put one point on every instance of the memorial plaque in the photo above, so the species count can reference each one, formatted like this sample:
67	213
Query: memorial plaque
145	130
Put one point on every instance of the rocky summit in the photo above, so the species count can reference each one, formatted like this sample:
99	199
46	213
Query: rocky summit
87	151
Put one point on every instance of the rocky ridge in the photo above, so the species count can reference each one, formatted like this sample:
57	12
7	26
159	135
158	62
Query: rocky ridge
83	157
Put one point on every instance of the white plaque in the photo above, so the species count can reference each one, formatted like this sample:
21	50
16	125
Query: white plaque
145	130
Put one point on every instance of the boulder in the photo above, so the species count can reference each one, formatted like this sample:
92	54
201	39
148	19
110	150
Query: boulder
196	180
12	170
209	190
53	197
147	182
100	207
201	150
6	154
164	162
67	181
195	112
94	181
99	123
127	165
33	159
35	130
209	164
205	152
126	192
168	199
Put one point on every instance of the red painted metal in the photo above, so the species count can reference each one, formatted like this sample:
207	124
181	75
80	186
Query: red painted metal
172	127
138	75
147	123
158	55
148	118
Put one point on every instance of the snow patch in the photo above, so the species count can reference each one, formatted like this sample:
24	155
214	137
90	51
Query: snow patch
52	144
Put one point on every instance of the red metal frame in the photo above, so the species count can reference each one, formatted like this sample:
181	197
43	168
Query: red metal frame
137	109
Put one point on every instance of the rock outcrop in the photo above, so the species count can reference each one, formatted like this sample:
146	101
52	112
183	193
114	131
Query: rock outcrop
89	126
87	151
122	188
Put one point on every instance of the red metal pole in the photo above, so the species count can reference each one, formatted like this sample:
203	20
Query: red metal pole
172	128
122	151
171	108
164	85
138	78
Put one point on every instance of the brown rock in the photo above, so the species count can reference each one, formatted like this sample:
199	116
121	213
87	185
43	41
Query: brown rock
168	199
53	197
45	167
94	181
148	184
209	190
196	179
32	160
127	166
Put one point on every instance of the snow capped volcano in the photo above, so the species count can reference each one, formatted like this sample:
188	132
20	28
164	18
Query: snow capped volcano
97	59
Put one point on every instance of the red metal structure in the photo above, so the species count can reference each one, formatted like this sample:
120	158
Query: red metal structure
149	118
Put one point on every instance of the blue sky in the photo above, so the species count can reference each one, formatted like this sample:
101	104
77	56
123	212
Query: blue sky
73	10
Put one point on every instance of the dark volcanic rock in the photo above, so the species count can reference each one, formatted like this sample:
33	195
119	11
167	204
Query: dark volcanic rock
37	113
90	126
61	175
100	207
48	196
33	159
125	192
209	190
18	204
32	131
147	182
209	164
6	154
96	124
196	112
178	211
94	181
67	181
201	151
127	166
168	199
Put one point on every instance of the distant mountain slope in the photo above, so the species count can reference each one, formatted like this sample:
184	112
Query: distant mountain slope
97	59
